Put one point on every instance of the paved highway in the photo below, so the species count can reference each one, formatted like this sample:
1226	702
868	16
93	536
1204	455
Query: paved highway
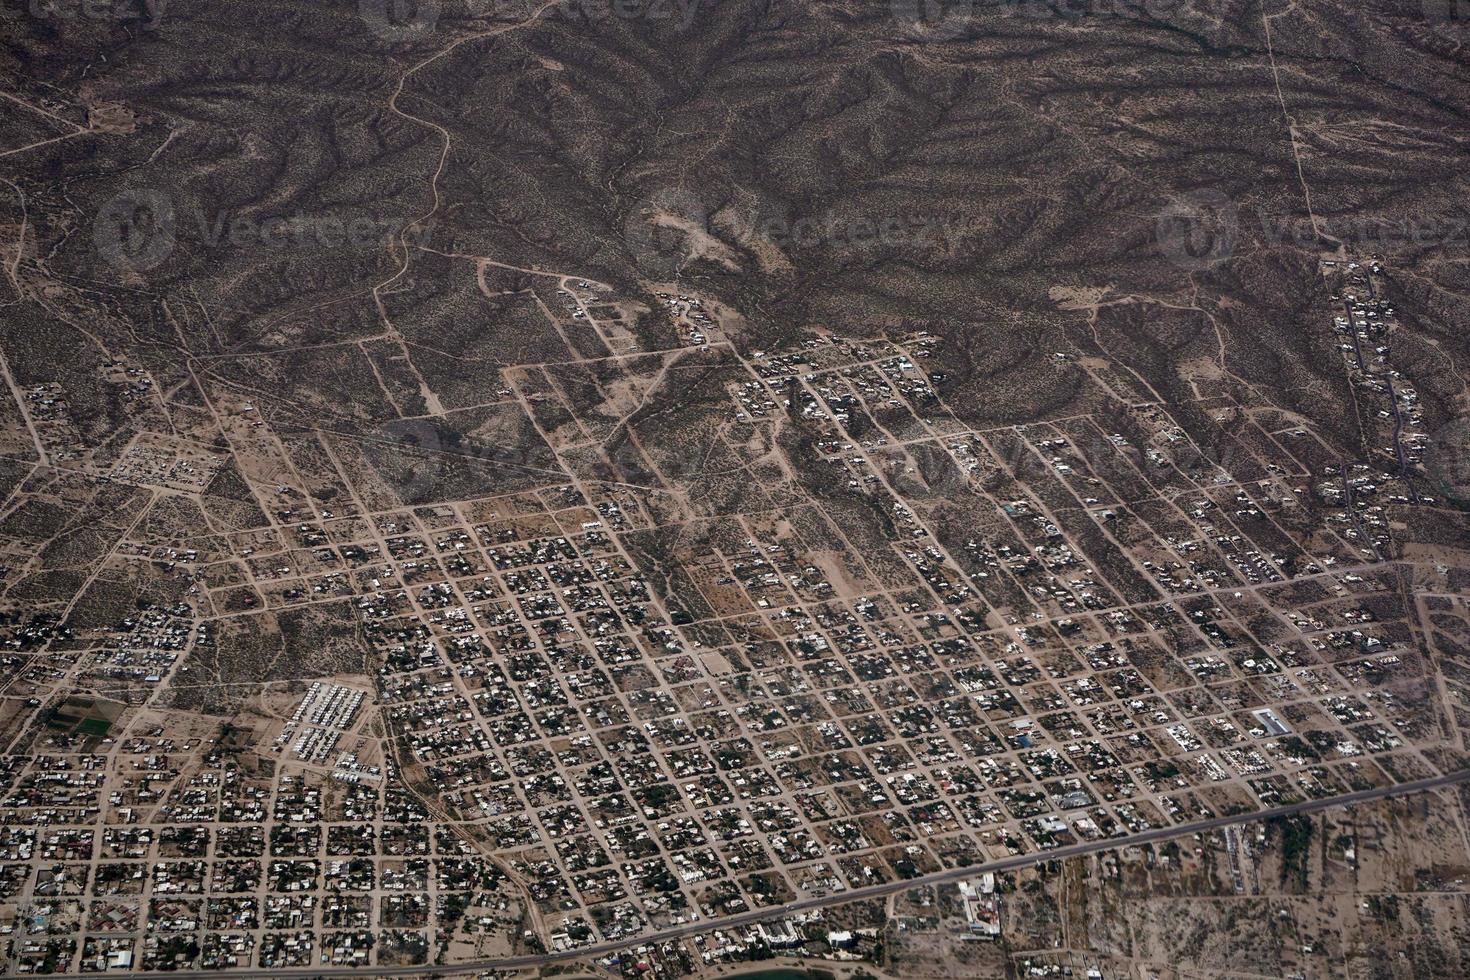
759	915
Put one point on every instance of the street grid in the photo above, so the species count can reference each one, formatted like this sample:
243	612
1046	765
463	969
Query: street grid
575	743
